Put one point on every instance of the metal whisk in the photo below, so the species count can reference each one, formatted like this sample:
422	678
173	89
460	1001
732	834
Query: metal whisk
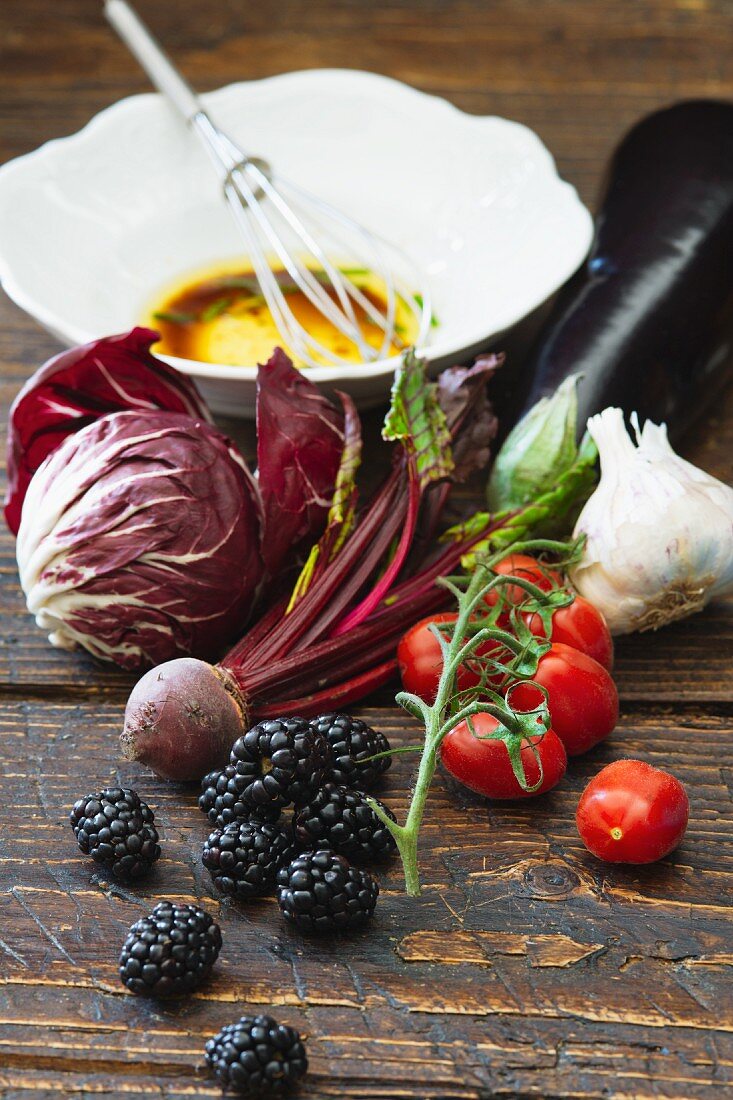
306	235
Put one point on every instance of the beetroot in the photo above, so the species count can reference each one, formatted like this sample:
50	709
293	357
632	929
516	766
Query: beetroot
182	719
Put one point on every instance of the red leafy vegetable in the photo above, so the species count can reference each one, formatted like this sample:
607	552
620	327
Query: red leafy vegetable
462	396
342	513
139	540
79	386
299	443
148	537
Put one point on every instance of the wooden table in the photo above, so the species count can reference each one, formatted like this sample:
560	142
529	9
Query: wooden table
527	968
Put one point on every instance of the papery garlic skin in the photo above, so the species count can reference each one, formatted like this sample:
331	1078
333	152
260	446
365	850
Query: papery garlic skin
659	531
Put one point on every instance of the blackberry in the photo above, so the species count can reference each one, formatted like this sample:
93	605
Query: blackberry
116	829
343	820
221	799
171	951
282	760
352	742
257	1056
243	859
320	892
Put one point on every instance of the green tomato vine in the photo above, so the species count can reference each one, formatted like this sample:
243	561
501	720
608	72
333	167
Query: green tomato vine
520	652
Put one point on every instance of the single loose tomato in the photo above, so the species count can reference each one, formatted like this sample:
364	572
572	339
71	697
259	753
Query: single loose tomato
528	569
632	813
421	661
582	697
580	625
484	766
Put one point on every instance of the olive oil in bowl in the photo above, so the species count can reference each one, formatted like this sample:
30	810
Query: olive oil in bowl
220	316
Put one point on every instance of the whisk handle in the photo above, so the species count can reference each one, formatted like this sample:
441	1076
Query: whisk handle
154	61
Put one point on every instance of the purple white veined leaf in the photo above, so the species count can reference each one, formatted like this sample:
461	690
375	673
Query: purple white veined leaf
140	540
75	388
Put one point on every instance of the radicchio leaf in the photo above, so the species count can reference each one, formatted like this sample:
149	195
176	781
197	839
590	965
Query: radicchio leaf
300	440
416	420
140	540
79	386
340	520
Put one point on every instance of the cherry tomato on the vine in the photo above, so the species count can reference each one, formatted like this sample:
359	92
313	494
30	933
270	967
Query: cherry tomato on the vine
526	568
582	697
483	764
421	662
632	813
580	625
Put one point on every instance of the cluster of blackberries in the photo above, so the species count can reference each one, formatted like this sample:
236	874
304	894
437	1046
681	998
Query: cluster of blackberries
172	950
169	953
321	768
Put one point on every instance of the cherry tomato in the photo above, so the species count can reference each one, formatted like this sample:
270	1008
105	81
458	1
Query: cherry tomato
529	569
484	765
632	813
582	697
580	625
421	662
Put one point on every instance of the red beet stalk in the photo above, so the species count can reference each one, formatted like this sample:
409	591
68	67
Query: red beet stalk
183	716
339	639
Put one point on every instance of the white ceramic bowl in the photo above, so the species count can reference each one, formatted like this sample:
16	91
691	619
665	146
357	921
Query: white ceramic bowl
92	225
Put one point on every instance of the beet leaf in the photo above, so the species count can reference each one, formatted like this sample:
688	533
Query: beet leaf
416	420
342	513
300	440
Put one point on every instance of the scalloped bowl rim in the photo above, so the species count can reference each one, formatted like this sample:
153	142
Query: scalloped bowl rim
106	118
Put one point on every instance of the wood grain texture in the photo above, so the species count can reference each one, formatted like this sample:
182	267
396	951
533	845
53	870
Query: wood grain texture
527	968
522	954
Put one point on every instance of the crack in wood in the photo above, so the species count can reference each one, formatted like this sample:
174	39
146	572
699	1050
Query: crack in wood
457	948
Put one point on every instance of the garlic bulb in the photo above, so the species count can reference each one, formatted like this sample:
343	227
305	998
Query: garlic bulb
659	531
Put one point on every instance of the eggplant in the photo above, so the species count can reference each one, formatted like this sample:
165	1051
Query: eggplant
648	320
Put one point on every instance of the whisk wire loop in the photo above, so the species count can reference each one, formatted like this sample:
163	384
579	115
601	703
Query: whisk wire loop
271	226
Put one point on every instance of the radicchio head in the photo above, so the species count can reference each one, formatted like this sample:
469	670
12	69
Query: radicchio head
138	539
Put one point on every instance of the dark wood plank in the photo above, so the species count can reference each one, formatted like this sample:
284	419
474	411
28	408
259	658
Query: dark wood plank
521	956
527	968
579	74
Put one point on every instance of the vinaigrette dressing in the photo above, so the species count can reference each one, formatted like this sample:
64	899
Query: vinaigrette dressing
218	315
